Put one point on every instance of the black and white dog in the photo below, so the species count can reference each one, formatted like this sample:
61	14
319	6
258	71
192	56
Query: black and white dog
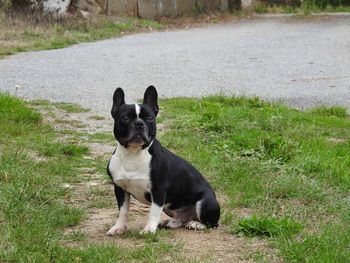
141	167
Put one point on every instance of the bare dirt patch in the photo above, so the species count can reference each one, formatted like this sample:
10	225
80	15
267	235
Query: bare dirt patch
202	246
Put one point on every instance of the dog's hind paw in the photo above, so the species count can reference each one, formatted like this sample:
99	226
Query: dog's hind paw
195	225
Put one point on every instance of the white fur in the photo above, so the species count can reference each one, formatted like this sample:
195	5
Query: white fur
130	165
137	187
122	221
195	225
154	218
137	110
198	209
131	171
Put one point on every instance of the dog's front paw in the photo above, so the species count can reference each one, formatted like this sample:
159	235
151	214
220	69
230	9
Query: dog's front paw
116	230
149	229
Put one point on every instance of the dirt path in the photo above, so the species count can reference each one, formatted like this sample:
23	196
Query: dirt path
94	193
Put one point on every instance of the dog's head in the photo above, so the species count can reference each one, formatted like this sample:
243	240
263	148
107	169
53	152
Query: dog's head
135	124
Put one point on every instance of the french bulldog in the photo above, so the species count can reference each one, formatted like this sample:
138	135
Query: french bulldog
141	167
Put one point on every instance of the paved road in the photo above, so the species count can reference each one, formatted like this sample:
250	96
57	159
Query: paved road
302	61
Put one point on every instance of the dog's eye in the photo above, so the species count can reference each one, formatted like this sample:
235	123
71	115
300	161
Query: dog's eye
150	119
125	119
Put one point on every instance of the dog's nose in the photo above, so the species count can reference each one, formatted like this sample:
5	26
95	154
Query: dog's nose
139	124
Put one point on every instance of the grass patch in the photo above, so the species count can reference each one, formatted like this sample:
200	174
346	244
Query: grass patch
30	200
281	164
330	111
107	137
97	118
14	111
65	149
20	32
146	23
276	162
306	8
33	209
70	107
270	227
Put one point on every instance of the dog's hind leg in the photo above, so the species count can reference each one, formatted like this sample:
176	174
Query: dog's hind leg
170	223
194	223
208	210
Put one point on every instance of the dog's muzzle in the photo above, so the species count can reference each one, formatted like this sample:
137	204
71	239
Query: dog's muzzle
138	133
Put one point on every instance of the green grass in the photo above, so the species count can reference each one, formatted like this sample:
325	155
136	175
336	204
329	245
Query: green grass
33	211
330	111
306	8
290	169
102	137
70	107
270	227
20	33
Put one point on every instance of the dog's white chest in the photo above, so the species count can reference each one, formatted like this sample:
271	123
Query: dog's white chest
131	171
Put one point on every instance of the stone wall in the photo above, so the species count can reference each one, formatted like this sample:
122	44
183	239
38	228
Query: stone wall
154	8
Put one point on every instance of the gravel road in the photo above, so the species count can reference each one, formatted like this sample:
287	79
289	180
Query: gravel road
302	61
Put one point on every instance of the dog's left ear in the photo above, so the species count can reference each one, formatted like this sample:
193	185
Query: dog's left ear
151	99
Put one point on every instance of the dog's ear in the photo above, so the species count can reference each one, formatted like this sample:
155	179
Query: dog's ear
151	99
118	100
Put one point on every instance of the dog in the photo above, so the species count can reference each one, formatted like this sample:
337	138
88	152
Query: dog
141	167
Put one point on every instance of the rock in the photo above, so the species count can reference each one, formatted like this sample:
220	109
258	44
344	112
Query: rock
58	7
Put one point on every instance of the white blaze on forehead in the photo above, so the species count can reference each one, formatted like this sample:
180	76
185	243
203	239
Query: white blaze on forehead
137	110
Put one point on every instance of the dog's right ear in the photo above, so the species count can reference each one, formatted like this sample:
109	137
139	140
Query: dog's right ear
118	100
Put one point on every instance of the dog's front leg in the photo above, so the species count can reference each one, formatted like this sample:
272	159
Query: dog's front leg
158	199
123	199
